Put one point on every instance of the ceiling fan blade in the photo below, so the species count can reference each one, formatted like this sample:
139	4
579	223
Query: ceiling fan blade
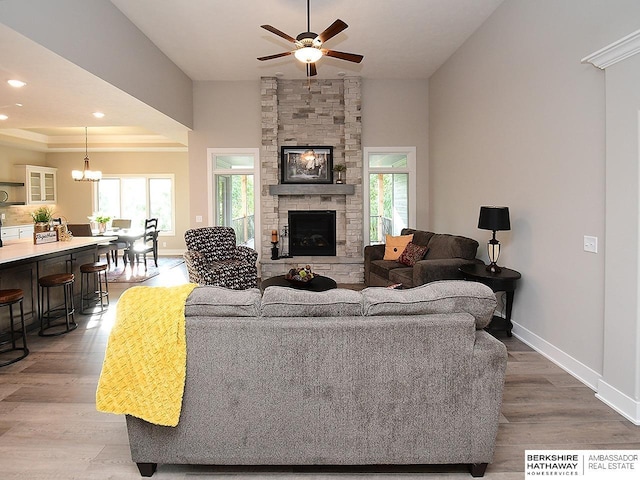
271	29
277	55
332	30
312	71
350	57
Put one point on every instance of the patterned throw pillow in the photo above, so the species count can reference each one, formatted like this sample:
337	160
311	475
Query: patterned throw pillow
412	253
394	246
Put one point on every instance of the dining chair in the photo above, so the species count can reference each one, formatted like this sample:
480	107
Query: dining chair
84	230
119	224
149	243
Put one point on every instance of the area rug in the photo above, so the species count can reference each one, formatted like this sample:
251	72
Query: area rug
137	272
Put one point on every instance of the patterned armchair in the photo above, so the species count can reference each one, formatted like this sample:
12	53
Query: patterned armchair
213	258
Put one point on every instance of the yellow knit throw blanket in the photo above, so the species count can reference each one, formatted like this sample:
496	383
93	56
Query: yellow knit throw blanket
144	369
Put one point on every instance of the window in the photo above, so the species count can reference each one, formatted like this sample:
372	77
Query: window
390	187
234	197
138	197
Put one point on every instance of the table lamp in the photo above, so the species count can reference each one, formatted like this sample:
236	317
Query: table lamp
494	219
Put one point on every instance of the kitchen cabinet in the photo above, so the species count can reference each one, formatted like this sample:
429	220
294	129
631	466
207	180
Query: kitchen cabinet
17	232
40	184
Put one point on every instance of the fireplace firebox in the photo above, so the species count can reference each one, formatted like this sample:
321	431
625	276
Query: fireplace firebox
312	232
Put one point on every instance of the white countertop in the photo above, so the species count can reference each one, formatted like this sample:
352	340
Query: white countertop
24	249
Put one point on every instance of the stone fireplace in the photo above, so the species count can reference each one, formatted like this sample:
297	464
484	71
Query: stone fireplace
322	113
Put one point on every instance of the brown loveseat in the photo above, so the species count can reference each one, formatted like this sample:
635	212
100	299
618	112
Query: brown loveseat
441	261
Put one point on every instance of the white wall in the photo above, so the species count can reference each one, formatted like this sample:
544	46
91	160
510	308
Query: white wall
226	115
395	113
517	120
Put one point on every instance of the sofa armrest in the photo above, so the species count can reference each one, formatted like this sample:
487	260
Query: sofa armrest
245	253
371	253
426	271
487	384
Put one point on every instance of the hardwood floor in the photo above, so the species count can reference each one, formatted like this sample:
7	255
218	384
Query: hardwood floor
49	428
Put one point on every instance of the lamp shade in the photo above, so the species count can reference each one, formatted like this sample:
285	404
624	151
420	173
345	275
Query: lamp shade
494	218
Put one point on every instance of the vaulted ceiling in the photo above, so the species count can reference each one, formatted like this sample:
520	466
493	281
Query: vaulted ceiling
219	40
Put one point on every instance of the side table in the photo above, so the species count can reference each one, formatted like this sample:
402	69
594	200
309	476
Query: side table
505	281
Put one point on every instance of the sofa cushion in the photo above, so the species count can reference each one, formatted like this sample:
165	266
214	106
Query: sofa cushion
402	275
394	246
210	301
442	245
447	296
291	302
382	268
412	253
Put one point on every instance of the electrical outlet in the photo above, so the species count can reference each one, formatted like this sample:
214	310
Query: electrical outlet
2	218
164	244
198	218
590	244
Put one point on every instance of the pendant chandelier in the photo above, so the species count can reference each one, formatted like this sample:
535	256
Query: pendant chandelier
86	175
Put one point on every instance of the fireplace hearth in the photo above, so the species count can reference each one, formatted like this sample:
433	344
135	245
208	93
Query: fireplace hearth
312	232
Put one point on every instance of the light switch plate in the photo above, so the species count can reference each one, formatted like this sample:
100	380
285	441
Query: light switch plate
590	244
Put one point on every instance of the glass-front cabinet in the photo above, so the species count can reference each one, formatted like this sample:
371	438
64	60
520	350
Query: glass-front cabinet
40	184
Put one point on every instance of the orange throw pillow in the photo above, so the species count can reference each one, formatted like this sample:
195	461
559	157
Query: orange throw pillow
394	246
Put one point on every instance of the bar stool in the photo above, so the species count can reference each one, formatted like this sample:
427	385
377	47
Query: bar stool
8	298
99	294
64	280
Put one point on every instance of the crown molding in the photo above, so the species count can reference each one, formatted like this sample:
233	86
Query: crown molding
616	52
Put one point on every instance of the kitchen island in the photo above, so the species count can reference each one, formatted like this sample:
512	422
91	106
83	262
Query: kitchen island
22	263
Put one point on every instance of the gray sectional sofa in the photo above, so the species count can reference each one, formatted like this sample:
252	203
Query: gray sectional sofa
293	377
441	261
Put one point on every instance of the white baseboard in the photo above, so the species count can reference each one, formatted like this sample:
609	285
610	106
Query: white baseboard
170	253
572	366
621	403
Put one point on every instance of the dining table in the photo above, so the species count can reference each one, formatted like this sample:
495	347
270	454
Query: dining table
127	236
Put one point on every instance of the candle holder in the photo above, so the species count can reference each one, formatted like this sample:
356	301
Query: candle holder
284	239
274	251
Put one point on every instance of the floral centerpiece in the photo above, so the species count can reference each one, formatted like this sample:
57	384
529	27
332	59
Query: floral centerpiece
42	218
102	221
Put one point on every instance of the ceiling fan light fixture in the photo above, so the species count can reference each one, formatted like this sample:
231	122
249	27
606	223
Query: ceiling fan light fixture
308	54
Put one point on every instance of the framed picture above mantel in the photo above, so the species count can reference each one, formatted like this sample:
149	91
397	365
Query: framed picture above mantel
306	164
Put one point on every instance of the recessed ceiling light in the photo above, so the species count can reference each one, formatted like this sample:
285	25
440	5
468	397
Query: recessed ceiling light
16	83
3	116
98	114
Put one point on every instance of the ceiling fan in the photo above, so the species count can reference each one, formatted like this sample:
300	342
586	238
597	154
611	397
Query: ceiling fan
309	45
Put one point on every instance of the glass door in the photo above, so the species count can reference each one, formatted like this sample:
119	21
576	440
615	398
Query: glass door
234	194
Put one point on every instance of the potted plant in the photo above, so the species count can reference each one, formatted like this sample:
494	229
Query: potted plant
102	221
42	219
339	168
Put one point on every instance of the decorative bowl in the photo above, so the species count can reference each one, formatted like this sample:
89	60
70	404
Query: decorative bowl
298	283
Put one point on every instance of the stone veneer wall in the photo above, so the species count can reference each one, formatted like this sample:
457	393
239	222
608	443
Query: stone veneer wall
320	113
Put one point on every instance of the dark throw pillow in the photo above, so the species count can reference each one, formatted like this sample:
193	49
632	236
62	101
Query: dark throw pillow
412	253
